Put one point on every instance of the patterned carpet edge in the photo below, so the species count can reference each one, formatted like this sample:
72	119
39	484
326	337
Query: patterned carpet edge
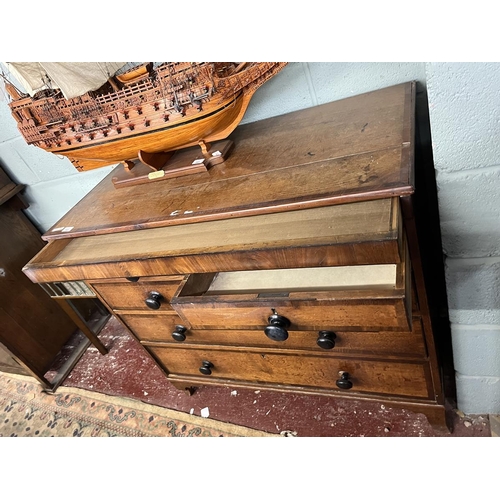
27	411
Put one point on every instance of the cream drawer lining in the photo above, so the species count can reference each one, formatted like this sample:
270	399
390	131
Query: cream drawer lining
304	279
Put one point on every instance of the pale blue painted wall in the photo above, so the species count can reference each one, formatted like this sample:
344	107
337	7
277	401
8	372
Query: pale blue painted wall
54	186
464	101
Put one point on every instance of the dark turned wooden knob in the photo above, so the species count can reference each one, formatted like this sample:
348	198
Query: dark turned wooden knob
153	300
206	368
326	339
179	334
343	382
276	329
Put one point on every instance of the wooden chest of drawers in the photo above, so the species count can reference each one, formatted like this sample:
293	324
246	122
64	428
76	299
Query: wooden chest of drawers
293	266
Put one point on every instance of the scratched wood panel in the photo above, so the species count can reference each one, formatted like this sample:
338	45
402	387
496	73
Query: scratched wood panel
380	376
154	328
349	312
344	151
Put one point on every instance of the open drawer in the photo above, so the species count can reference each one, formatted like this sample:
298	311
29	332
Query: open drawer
361	298
361	233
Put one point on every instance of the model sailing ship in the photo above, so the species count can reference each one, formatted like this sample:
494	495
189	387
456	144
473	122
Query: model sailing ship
141	112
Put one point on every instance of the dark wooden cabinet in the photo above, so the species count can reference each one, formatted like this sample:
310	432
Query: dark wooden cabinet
33	328
293	266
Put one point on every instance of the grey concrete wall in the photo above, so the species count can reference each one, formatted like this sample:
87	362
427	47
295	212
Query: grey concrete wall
464	101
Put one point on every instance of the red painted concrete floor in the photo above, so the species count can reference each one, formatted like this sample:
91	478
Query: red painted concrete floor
128	371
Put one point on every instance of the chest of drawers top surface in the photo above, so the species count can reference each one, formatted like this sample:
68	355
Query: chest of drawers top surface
358	148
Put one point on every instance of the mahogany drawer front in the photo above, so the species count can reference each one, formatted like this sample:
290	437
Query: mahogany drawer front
326	313
151	328
351	298
367	376
124	294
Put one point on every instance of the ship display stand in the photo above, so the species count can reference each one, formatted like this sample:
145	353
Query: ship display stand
151	167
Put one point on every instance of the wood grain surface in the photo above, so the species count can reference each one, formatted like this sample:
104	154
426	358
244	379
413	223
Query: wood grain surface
153	328
381	376
339	152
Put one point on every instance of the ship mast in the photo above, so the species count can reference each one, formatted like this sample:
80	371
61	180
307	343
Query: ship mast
178	107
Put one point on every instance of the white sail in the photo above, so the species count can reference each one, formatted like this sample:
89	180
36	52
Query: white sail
72	78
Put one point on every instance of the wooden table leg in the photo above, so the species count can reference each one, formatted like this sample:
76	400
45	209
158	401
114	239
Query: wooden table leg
73	313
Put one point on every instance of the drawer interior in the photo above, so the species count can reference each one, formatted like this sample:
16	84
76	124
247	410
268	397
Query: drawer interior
360	233
304	279
299	283
364	298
